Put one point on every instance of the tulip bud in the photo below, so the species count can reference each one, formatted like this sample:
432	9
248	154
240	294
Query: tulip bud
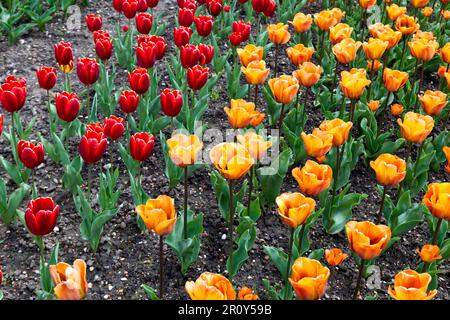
30	154
144	23
46	77
139	80
197	77
13	93
113	127
93	22
185	17
171	102
203	24
64	56
67	106
429	253
128	101
396	109
182	36
335	256
141	146
41	215
215	7
88	70
129	8
92	146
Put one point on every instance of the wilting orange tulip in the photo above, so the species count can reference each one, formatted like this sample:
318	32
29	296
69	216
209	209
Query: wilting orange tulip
326	19
210	286
255	144
354	83
231	159
247	294
69	281
184	149
411	285
158	214
284	88
416	127
309	278
427	11
433	102
307	74
396	109
317	143
437	200
367	239
389	169
338	128
445	53
365	4
301	22
394	79
313	178
299	53
374	65
340	32
429	253
278	33
375	48
406	24
345	51
446	151
335	256
256	72
419	3
394	11
242	114
423	49
294	208
250	53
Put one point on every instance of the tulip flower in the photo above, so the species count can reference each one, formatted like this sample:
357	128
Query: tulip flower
250	53
114	127
394	11
423	49
203	25
396	109
437	199
182	36
284	90
46	77
270	9
353	84
278	33
197	77
103	48
146	55
445	53
427	11
246	293
313	178
375	48
307	74
117	5
171	102
241	29
13	93
335	256
152	3
255	144
294	208
429	253
340	32
394	80
92	146
419	3
30	154
144	22
189	56
210	286
326	19
64	56
338	128
69	281
128	101
185	17
93	22
406	25
309	278
301	22
242	114
159	42
446	151
374	66
259	6
215	7
88	70
345	51
374	105
206	53
416	127
41	215
317	143
139	80
130	8
141	146
256	72
411	285
67	106
366	4
299	54
385	33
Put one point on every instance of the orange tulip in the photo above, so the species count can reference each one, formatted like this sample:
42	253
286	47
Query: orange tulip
309	278
429	253
326	19
367	239
232	160
278	33
317	143
335	256
447	77
385	33
394	79
242	114
374	105
354	83
416	127
158	214
375	48
411	285
406	24
247	294
345	51
255	144
302	22
445	14
389	169
396	109
69	281
340	32
394	11
338	128
445	53
446	151
423	49
437	200
365	4
184	149
313	178
419	3
255	72
250	53
441	71
294	208
284	88
427	11
308	74
210	286
374	65
433	102
299	53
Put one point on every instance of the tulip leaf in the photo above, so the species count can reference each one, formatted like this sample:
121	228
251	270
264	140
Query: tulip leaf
441	140
316	254
244	241
417	179
279	259
46	292
151	293
10	205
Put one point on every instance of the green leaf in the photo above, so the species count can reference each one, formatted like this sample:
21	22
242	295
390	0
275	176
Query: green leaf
221	190
151	293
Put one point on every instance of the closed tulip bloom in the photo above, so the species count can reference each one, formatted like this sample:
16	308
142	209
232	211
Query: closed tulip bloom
374	65
41	215
255	144
309	278
445	53
317	143
446	151
130	8
67	106
64	56
335	256
340	32
307	74
13	93
92	146
374	105
367	239
114	127
396	109
46	77
250	53
93	22
103	48
411	285
345	51
299	53
184	149
325	19
215	7
30	155
416	127
158	215
141	146
437	200
246	293
284	88
139	80
189	55
206	53
97	127
433	102
424	35
232	160
185	17
128	101
394	11
259	5
210	286
278	33
117	5
301	22
429	253
242	28
203	24
338	128
69	281
182	36
423	49
88	70
256	72
419	3
160	44
271	7
197	77
1	124
152	3
294	208
146	55
242	114
385	33
427	11
406	24
144	22
394	80
354	83
365	4
389	169
375	48
445	14
313	178
171	102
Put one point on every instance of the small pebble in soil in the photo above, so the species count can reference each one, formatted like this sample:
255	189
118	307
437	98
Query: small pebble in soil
224	236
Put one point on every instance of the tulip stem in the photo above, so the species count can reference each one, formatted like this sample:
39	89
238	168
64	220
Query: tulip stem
67	82
89	181
161	267
352	109
277	49
250	190
383	112
385	62
369	90
403	52
336	174
419	153
88	103
185	222
322	43
34	191
14	140
280	119
363	21
288	264
334	82
408	154
358	281
300	238
420	83
230	223
256	96
66	140
436	232
380	213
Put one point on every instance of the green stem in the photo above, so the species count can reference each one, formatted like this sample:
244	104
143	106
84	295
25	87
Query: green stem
280	119
161	267
419	153
403	51
383	112
250	190
230	223
185	222
300	238
436	232
288	264
408	154
380	212
358	281
334	88
89	181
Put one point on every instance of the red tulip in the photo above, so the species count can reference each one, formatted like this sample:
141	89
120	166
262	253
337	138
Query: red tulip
182	36
142	6
242	27
125	28
191	5
161	46
114	127
103	48
96	127
235	38
259	5
203	24
226	8
185	17
152	3
13	93
67	106
41	215
1	124
141	146
144	23
30	154
215	7
93	22
92	146
129	8
117	5
206	53
270	8
139	80
100	34
189	55
128	101
88	70
197	77
46	77
146	54
64	55
171	102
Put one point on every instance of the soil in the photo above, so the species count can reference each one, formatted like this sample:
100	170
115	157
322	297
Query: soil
127	257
